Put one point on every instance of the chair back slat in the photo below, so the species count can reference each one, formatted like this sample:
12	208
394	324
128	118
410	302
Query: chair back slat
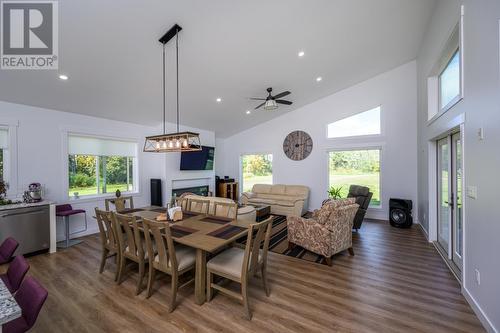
198	205
159	234
226	209
133	239
257	233
106	228
120	203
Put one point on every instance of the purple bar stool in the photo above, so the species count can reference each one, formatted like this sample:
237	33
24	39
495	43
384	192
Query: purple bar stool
15	273
65	211
30	299
7	249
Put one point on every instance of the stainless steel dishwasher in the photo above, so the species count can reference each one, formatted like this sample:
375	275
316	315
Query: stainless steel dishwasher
30	226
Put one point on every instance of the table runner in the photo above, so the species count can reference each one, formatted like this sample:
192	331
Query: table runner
226	232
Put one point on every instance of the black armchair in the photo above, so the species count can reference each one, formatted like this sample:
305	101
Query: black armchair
363	197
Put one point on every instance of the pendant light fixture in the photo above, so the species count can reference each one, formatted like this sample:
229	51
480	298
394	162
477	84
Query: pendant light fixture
178	141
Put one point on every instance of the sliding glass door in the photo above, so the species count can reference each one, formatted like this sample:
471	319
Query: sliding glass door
450	216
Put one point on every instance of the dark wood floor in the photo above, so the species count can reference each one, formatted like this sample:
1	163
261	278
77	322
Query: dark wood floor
396	282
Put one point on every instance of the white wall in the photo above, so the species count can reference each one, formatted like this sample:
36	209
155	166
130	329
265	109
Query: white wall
40	156
395	91
480	108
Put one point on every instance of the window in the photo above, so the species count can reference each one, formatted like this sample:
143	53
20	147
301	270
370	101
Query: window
356	167
365	123
98	166
4	146
256	169
449	82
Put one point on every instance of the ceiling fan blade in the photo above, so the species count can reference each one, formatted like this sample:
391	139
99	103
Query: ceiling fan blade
280	101
283	94
257	99
258	106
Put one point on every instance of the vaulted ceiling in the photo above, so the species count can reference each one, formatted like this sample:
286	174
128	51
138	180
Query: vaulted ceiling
228	49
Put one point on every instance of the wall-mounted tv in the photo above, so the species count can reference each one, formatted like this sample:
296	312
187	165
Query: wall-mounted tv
198	160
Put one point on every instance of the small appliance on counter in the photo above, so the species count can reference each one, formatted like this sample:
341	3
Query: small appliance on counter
33	194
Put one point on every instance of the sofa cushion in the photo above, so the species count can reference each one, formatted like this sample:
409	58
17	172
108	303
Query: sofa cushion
297	190
261	188
278	189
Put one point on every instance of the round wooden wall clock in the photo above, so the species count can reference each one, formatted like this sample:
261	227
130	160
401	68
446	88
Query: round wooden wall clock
297	145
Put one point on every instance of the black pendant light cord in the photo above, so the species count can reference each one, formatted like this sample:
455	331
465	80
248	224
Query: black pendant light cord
164	94
177	65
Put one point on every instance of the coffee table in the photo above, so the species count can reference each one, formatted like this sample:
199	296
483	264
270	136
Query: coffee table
262	212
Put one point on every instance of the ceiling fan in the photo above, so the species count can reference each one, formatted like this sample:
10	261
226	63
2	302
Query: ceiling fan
271	102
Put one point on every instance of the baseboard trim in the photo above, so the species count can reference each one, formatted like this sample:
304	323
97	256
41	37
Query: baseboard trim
426	234
488	325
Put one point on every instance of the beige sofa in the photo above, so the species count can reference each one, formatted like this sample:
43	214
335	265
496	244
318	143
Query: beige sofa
288	200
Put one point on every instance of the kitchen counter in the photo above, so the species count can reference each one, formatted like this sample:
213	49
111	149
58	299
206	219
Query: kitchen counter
10	213
25	205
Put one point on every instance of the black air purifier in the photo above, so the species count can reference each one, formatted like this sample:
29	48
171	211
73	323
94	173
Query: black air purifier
400	213
156	198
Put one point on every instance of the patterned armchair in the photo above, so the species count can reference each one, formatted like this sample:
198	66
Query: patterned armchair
328	231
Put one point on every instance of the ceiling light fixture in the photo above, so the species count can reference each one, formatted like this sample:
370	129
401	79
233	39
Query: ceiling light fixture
63	77
248	112
178	141
301	54
218	100
270	105
319	78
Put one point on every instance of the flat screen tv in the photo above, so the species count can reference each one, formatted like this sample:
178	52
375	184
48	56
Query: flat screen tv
198	160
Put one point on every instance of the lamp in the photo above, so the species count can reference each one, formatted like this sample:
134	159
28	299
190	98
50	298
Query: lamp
178	141
270	105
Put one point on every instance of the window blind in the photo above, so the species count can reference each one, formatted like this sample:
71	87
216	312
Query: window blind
4	138
85	145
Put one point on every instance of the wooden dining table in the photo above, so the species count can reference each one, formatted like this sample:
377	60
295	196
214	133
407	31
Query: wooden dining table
205	233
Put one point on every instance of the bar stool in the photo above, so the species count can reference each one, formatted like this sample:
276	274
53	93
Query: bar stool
65	211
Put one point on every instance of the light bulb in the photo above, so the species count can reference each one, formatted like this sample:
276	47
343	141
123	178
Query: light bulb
157	144
164	144
177	143
185	143
170	144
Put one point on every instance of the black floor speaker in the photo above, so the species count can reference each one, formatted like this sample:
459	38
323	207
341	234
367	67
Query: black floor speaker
156	198
400	213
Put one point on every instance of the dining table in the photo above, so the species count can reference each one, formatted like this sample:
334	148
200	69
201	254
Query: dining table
205	233
9	309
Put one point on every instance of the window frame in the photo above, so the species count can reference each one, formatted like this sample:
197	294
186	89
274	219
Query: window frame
365	136
449	49
66	133
10	159
241	167
374	146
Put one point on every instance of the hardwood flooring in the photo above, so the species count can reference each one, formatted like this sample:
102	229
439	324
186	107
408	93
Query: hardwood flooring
396	282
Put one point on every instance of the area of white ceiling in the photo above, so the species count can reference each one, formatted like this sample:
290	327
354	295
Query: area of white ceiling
229	49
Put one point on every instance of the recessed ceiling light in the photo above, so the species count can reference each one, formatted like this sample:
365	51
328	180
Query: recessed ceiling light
248	112
63	77
319	78
218	100
301	53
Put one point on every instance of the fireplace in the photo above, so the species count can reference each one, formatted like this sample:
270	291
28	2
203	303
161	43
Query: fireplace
198	190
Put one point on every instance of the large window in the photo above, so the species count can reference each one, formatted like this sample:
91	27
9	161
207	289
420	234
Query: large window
356	167
98	166
256	169
4	146
449	82
365	123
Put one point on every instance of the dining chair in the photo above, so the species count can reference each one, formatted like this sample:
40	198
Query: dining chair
15	273
172	260
120	203
130	246
30	298
109	242
225	209
198	206
239	265
7	249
